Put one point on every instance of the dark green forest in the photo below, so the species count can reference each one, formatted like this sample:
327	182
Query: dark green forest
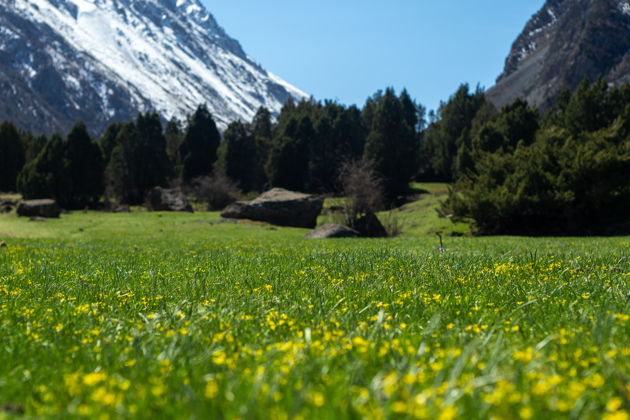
512	170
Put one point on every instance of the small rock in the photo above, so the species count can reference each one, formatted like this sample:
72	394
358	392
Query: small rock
331	230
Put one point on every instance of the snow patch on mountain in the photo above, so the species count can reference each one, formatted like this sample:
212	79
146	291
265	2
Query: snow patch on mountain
624	7
168	55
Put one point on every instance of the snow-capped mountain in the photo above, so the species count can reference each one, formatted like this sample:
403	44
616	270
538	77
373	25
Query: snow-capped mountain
566	41
106	60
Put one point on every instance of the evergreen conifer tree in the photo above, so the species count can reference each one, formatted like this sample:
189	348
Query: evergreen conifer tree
119	174
198	151
33	145
288	164
392	144
138	161
151	165
440	141
12	156
588	110
565	177
262	130
238	156
262	127
174	137
85	165
108	141
48	176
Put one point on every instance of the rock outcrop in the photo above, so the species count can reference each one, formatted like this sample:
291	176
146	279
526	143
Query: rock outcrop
104	61
279	207
45	208
565	42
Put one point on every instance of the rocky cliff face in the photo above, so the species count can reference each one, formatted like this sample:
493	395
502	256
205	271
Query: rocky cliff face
566	41
106	60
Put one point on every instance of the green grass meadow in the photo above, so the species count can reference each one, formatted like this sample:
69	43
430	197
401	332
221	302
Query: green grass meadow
155	315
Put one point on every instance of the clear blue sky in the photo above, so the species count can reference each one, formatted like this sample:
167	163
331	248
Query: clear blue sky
348	49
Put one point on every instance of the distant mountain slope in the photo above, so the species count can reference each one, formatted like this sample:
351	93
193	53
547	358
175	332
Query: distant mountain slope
106	60
564	42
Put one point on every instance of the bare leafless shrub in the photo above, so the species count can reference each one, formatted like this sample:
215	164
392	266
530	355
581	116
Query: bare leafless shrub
363	198
217	190
362	189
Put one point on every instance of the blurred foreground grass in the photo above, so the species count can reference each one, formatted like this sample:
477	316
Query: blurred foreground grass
152	315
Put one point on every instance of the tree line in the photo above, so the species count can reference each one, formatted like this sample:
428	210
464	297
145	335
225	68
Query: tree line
303	149
512	170
515	171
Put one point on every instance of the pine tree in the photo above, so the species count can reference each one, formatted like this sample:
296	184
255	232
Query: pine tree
85	165
518	122
588	110
33	145
151	165
198	151
262	130
31	183
464	161
12	156
339	138
392	144
108	141
322	156
48	176
349	134
440	140
119	174
566	177
174	137
238	158
288	164
138	161
261	126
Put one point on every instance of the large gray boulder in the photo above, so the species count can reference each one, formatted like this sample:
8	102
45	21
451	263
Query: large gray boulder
46	208
332	230
279	207
161	199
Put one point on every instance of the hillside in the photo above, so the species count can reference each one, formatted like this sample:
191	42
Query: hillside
106	60
566	41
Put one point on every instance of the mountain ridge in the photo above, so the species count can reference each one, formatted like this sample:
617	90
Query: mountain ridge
106	60
563	43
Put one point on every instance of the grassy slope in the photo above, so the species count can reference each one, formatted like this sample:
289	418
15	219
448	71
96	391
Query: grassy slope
151	315
417	218
420	218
